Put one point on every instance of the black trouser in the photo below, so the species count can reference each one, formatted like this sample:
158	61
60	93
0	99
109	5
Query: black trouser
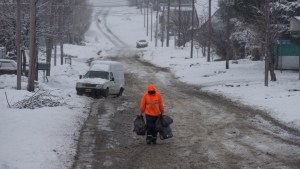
151	129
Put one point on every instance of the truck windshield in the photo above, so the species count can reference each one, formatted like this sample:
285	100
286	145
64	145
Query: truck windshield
97	74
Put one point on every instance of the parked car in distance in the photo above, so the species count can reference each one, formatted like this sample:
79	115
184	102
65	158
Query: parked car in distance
9	67
104	78
141	44
11	56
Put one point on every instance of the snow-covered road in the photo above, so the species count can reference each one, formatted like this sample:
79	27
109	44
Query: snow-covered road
209	131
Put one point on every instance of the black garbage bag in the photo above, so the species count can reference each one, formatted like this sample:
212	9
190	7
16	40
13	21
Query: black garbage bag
163	127
166	120
165	133
163	121
139	125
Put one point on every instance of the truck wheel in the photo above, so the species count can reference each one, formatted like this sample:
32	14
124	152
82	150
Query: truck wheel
120	92
106	92
79	93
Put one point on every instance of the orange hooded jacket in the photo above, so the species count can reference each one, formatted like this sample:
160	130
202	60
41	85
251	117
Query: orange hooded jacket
152	104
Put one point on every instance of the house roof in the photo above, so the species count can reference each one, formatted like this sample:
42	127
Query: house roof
201	6
295	24
295	18
215	21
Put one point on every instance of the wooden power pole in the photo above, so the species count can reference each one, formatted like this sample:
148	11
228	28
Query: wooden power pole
192	32
163	27
267	51
144	13
168	25
156	26
151	29
209	31
179	25
147	17
61	32
227	35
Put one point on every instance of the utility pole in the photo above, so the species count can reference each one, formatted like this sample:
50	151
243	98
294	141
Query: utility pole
168	24
147	17
55	51
209	31
179	29
192	41
56	21
267	51
227	34
151	20
32	46
141	6
144	13
18	43
163	28
156	30
61	38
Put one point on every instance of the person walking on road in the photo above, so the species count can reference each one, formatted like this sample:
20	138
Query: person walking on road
152	106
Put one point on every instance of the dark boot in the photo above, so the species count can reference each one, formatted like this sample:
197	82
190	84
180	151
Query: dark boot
153	140
148	139
154	136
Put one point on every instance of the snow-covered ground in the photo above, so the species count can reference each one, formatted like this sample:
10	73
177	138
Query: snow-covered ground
46	137
243	82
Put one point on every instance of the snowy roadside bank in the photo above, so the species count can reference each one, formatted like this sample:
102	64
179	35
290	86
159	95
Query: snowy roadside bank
41	137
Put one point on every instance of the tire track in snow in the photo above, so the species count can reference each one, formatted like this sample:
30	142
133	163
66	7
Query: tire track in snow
115	40
107	35
123	44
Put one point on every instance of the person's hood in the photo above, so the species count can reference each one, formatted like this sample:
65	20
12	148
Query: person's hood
151	87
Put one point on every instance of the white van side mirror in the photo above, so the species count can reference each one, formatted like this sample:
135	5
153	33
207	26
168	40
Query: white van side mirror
80	76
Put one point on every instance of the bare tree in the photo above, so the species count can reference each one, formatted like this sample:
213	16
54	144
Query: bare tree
32	50
49	37
18	43
46	26
182	21
267	30
202	35
7	25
